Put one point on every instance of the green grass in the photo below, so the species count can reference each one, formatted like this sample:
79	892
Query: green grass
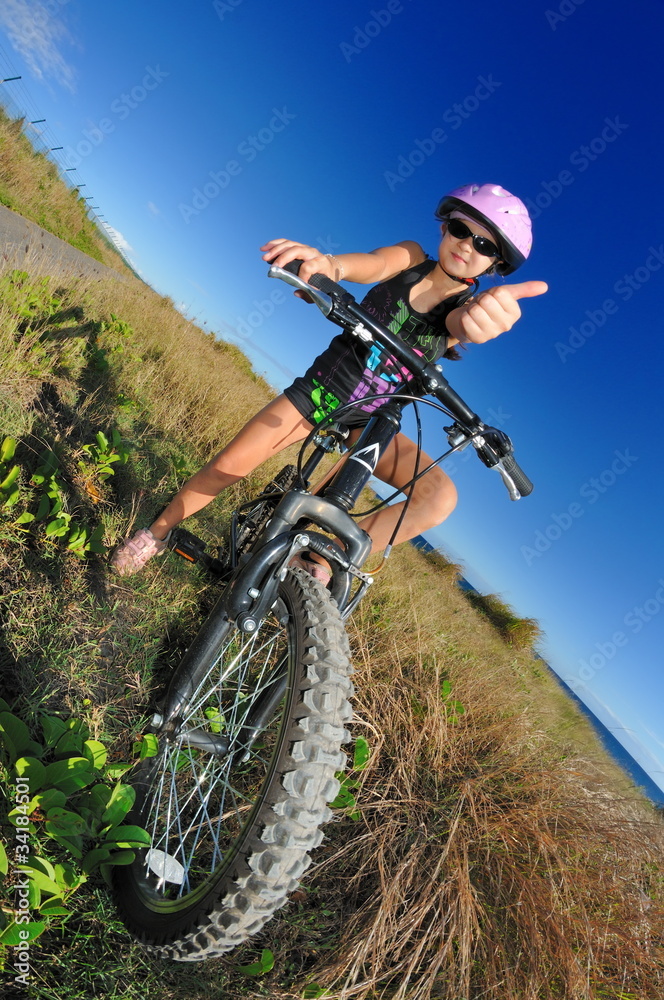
475	802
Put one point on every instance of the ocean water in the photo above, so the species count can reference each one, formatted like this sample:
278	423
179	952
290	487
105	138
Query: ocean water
615	749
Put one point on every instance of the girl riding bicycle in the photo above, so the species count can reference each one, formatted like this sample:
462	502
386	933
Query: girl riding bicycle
433	305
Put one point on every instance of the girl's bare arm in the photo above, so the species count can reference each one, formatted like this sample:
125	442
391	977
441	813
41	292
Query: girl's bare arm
363	268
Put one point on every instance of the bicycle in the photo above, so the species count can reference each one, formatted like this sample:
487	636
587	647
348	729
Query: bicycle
249	734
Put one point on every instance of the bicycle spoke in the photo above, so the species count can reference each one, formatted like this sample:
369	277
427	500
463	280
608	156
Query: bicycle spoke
201	801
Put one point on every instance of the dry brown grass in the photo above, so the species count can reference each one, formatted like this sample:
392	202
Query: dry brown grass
188	384
521	633
184	378
489	862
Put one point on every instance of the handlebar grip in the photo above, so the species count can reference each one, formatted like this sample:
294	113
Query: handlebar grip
325	284
319	281
521	481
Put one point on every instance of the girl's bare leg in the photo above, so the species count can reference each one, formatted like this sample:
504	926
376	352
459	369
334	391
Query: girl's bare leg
275	427
434	497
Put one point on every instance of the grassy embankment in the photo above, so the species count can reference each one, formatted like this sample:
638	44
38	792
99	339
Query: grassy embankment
31	186
498	854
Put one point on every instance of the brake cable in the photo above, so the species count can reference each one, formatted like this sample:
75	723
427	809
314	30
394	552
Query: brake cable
387	551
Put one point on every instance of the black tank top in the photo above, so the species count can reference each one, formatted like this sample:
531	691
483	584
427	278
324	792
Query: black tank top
389	302
348	370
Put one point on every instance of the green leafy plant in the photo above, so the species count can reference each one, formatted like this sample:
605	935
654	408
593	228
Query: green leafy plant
120	327
52	500
115	336
345	798
146	746
66	820
102	454
182	468
9	488
83	540
453	708
27	297
126	404
259	968
80	539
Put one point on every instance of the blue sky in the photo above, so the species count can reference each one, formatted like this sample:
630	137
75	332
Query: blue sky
204	130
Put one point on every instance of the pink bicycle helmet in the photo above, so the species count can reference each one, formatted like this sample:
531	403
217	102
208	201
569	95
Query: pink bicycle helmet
498	210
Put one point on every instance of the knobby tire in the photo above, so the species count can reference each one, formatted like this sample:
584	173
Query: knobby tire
231	837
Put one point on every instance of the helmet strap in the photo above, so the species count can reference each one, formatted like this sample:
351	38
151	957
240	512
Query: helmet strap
464	281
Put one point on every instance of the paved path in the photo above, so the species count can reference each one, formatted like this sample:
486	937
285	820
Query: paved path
25	245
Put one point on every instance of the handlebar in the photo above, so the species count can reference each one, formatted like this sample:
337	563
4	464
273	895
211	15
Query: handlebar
493	447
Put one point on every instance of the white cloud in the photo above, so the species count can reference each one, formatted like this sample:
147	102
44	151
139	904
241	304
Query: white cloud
653	737
152	208
629	738
36	35
119	240
123	245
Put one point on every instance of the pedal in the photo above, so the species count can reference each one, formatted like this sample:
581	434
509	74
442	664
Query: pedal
184	544
191	548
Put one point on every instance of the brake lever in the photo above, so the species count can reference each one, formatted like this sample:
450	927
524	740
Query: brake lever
494	447
323	301
509	482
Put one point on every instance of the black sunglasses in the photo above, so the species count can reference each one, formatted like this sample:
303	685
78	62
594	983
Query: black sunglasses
460	231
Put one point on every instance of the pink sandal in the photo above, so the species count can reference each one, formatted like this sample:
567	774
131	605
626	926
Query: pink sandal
132	556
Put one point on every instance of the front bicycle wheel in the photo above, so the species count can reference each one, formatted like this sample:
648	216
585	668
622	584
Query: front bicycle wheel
233	812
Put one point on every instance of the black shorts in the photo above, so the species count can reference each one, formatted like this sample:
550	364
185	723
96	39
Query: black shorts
341	374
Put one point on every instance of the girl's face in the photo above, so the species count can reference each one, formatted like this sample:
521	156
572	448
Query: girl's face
459	256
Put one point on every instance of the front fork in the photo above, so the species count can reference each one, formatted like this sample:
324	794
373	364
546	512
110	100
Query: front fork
246	601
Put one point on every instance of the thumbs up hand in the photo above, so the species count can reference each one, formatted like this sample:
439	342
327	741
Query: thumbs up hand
491	313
